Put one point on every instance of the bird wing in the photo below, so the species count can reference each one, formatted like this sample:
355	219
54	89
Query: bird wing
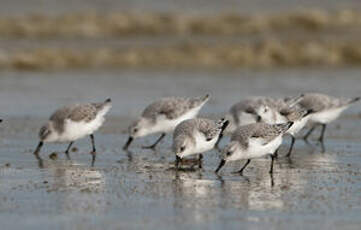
85	112
208	128
265	133
171	108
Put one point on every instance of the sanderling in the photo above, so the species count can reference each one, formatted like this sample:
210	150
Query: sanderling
254	141
299	117
325	110
163	116
195	136
244	112
73	122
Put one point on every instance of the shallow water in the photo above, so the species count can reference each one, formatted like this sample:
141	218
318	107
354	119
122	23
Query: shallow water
139	189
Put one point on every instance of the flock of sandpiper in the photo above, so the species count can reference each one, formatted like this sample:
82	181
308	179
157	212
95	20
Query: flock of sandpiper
256	125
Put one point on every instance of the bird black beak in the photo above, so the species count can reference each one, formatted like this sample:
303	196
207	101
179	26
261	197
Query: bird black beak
130	139
38	148
1	120
177	160
221	164
258	118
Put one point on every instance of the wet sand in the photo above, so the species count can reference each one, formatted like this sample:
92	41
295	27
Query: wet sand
139	189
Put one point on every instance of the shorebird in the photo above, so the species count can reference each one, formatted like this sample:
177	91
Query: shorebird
325	110
245	111
254	141
196	136
299	117
163	116
73	122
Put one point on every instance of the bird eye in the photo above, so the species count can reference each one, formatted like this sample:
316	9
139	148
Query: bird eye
182	148
265	110
228	153
135	130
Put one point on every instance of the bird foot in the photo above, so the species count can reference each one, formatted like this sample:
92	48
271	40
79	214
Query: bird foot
152	147
238	172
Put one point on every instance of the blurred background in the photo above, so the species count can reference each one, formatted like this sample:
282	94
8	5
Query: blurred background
58	52
164	34
144	50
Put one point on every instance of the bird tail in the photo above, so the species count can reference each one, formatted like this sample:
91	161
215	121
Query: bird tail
205	98
291	102
103	107
284	126
199	101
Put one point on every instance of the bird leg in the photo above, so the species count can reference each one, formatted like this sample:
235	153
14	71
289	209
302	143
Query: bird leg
93	153
305	138
155	144
200	157
68	149
271	167
320	139
291	146
244	166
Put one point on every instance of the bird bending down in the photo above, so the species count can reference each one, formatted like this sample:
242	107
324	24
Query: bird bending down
299	117
73	122
163	116
254	141
196	136
245	111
